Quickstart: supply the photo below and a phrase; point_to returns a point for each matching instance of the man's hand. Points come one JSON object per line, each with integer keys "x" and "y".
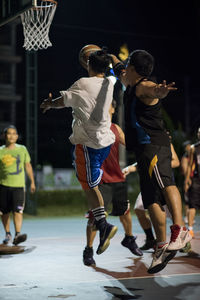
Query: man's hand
{"x": 129, "y": 169}
{"x": 161, "y": 90}
{"x": 47, "y": 103}
{"x": 32, "y": 188}
{"x": 187, "y": 184}
{"x": 126, "y": 171}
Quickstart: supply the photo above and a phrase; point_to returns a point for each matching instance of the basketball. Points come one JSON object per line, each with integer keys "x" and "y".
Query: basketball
{"x": 85, "y": 52}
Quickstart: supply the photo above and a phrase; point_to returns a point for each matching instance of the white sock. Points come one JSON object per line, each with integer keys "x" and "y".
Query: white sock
{"x": 98, "y": 213}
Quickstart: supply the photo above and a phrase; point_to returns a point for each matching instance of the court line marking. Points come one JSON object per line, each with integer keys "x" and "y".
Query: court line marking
{"x": 163, "y": 276}
{"x": 106, "y": 279}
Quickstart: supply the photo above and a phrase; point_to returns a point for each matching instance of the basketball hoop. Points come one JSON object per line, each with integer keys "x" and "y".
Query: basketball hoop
{"x": 36, "y": 23}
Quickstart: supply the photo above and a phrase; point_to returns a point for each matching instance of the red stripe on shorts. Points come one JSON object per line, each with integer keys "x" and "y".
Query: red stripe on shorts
{"x": 81, "y": 166}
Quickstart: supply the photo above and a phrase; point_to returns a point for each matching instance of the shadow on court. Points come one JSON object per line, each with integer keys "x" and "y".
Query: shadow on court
{"x": 49, "y": 266}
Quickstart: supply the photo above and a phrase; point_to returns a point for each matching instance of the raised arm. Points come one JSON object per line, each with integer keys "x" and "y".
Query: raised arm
{"x": 119, "y": 69}
{"x": 52, "y": 103}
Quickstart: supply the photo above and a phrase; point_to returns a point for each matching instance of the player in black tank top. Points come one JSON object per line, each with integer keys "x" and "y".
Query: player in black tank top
{"x": 143, "y": 123}
{"x": 145, "y": 135}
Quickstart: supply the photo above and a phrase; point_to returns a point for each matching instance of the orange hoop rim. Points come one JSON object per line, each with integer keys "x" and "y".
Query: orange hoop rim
{"x": 42, "y": 7}
{"x": 53, "y": 1}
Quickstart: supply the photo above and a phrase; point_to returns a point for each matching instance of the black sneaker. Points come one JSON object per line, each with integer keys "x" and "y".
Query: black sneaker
{"x": 106, "y": 232}
{"x": 20, "y": 238}
{"x": 130, "y": 243}
{"x": 88, "y": 259}
{"x": 149, "y": 244}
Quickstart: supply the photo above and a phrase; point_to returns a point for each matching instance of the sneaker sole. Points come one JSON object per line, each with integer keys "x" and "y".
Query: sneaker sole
{"x": 90, "y": 265}
{"x": 187, "y": 248}
{"x": 161, "y": 266}
{"x": 107, "y": 241}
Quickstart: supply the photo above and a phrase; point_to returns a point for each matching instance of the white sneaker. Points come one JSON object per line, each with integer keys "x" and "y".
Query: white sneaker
{"x": 161, "y": 257}
{"x": 180, "y": 236}
{"x": 8, "y": 239}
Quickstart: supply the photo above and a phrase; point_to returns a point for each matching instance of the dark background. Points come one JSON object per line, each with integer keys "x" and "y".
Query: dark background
{"x": 168, "y": 30}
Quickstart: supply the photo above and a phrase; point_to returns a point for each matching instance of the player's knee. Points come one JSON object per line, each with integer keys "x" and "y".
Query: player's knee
{"x": 19, "y": 209}
{"x": 121, "y": 210}
{"x": 4, "y": 212}
{"x": 139, "y": 212}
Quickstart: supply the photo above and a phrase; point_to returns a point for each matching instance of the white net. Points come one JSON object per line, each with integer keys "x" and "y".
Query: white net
{"x": 36, "y": 23}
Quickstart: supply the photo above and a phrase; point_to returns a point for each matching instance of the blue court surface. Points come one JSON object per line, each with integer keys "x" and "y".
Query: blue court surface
{"x": 51, "y": 267}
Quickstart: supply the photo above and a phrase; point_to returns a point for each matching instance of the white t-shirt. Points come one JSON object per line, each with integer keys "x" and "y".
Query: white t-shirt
{"x": 90, "y": 99}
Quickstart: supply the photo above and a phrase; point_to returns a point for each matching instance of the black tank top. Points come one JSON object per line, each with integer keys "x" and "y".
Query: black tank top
{"x": 143, "y": 123}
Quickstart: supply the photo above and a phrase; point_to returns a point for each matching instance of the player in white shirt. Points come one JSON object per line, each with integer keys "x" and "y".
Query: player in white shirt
{"x": 90, "y": 99}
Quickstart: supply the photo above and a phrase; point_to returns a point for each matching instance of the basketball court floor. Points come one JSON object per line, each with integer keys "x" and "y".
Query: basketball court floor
{"x": 50, "y": 267}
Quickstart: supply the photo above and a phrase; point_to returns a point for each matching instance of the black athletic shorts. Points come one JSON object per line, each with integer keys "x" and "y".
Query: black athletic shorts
{"x": 155, "y": 172}
{"x": 194, "y": 194}
{"x": 11, "y": 199}
{"x": 117, "y": 195}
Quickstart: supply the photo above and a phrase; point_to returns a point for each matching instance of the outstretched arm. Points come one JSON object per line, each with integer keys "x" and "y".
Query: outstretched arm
{"x": 161, "y": 90}
{"x": 52, "y": 103}
{"x": 119, "y": 69}
{"x": 150, "y": 92}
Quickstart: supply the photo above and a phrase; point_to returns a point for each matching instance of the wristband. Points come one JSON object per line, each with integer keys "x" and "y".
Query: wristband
{"x": 118, "y": 69}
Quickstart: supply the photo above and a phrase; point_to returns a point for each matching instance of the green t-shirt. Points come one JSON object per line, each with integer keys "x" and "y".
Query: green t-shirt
{"x": 12, "y": 164}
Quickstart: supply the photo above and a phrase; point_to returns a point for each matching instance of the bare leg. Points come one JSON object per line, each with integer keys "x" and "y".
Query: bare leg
{"x": 18, "y": 218}
{"x": 187, "y": 211}
{"x": 158, "y": 218}
{"x": 143, "y": 219}
{"x": 174, "y": 203}
{"x": 192, "y": 213}
{"x": 94, "y": 197}
{"x": 90, "y": 234}
{"x": 126, "y": 221}
{"x": 6, "y": 222}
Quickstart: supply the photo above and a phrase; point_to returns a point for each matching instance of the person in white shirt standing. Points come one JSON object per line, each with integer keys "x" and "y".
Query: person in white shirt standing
{"x": 90, "y": 98}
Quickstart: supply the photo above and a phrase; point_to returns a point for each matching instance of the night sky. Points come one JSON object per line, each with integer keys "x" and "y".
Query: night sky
{"x": 168, "y": 30}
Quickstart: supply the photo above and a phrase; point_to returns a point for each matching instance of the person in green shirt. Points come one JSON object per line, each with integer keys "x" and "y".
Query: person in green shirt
{"x": 14, "y": 162}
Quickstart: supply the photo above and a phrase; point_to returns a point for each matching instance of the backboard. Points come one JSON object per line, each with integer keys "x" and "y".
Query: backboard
{"x": 11, "y": 9}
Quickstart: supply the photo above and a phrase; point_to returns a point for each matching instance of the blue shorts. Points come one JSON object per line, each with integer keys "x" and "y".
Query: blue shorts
{"x": 87, "y": 162}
